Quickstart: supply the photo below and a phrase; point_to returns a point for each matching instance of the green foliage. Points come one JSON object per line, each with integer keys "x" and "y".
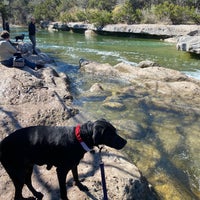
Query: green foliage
{"x": 99, "y": 18}
{"x": 47, "y": 10}
{"x": 103, "y": 11}
{"x": 102, "y": 4}
{"x": 95, "y": 16}
{"x": 126, "y": 14}
{"x": 4, "y": 10}
{"x": 195, "y": 17}
{"x": 75, "y": 14}
{"x": 177, "y": 14}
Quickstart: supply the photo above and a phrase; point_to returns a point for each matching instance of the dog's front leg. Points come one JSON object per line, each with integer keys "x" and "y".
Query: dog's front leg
{"x": 76, "y": 180}
{"x": 62, "y": 174}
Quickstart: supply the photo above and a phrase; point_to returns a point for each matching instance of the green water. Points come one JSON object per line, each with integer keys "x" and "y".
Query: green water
{"x": 168, "y": 151}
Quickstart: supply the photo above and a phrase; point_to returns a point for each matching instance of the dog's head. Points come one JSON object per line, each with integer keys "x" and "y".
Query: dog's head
{"x": 105, "y": 133}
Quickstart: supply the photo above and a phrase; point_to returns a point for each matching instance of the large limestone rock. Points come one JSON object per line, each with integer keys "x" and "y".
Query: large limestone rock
{"x": 151, "y": 29}
{"x": 189, "y": 43}
{"x": 30, "y": 97}
{"x": 160, "y": 30}
{"x": 42, "y": 97}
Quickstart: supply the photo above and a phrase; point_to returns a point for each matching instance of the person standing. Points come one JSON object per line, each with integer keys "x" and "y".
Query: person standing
{"x": 32, "y": 33}
{"x": 7, "y": 27}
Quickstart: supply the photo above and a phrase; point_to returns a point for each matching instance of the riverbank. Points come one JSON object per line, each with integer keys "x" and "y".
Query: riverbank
{"x": 142, "y": 30}
{"x": 43, "y": 97}
{"x": 165, "y": 142}
{"x": 186, "y": 37}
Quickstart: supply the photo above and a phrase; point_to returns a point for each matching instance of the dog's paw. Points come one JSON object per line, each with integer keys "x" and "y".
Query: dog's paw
{"x": 27, "y": 198}
{"x": 49, "y": 167}
{"x": 63, "y": 198}
{"x": 39, "y": 196}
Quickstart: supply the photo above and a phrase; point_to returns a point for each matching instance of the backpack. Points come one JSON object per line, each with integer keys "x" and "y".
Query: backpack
{"x": 18, "y": 60}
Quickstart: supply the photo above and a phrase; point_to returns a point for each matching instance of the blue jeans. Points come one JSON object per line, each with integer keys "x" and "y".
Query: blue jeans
{"x": 9, "y": 63}
{"x": 33, "y": 41}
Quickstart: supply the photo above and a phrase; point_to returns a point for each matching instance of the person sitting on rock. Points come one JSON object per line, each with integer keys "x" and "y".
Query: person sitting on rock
{"x": 7, "y": 50}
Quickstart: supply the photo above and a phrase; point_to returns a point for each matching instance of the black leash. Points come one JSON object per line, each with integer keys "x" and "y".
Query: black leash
{"x": 103, "y": 179}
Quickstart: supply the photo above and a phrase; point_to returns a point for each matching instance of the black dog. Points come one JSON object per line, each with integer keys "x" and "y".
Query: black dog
{"x": 62, "y": 147}
{"x": 19, "y": 37}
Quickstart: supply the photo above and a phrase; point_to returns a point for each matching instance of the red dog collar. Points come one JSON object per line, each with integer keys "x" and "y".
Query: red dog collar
{"x": 78, "y": 137}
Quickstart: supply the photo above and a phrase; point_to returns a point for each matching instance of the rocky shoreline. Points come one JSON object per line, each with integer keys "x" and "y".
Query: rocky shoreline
{"x": 159, "y": 30}
{"x": 42, "y": 97}
{"x": 186, "y": 37}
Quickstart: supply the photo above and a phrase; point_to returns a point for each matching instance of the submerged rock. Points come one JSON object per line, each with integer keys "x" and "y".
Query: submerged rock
{"x": 114, "y": 106}
{"x": 154, "y": 85}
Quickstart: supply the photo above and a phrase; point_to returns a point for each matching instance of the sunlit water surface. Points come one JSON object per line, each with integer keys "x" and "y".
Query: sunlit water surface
{"x": 168, "y": 151}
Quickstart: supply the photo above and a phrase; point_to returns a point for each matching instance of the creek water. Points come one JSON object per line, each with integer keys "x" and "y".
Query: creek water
{"x": 168, "y": 151}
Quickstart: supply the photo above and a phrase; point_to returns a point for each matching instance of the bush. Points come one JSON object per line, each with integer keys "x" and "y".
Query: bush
{"x": 126, "y": 14}
{"x": 74, "y": 15}
{"x": 196, "y": 18}
{"x": 177, "y": 14}
{"x": 118, "y": 15}
{"x": 99, "y": 17}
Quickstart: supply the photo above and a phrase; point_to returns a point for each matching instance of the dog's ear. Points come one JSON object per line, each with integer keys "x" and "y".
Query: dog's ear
{"x": 97, "y": 134}
{"x": 99, "y": 127}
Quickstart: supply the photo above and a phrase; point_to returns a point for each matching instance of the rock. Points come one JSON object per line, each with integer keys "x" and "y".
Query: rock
{"x": 189, "y": 43}
{"x": 34, "y": 97}
{"x": 123, "y": 180}
{"x": 114, "y": 106}
{"x": 42, "y": 98}
{"x": 57, "y": 26}
{"x": 26, "y": 50}
{"x": 120, "y": 184}
{"x": 44, "y": 24}
{"x": 95, "y": 93}
{"x": 151, "y": 29}
{"x": 96, "y": 88}
{"x": 194, "y": 33}
{"x": 131, "y": 73}
{"x": 160, "y": 30}
{"x": 147, "y": 63}
{"x": 90, "y": 33}
{"x": 156, "y": 86}
{"x": 171, "y": 40}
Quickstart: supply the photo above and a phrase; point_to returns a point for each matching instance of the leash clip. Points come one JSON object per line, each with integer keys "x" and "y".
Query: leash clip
{"x": 100, "y": 149}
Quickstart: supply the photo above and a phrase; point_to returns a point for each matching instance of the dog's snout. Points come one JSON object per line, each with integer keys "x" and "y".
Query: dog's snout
{"x": 121, "y": 143}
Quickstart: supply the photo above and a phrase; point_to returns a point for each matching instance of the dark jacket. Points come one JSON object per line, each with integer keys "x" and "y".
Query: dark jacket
{"x": 31, "y": 29}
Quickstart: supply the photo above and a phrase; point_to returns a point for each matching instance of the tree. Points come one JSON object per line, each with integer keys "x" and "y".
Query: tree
{"x": 4, "y": 10}
{"x": 102, "y": 4}
{"x": 47, "y": 9}
{"x": 20, "y": 10}
{"x": 176, "y": 13}
{"x": 126, "y": 13}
